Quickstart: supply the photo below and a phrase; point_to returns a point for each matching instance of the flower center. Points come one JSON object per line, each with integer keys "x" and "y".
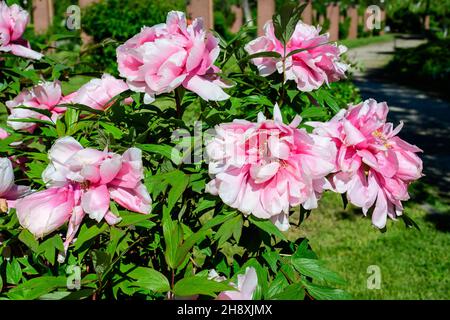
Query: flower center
{"x": 382, "y": 138}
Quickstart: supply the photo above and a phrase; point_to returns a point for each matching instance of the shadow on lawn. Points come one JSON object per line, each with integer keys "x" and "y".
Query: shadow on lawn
{"x": 436, "y": 206}
{"x": 441, "y": 221}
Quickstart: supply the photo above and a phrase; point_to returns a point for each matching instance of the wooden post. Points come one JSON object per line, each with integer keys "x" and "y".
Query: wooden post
{"x": 333, "y": 16}
{"x": 321, "y": 20}
{"x": 383, "y": 19}
{"x": 204, "y": 9}
{"x": 352, "y": 12}
{"x": 42, "y": 15}
{"x": 85, "y": 3}
{"x": 366, "y": 18}
{"x": 266, "y": 9}
{"x": 238, "y": 15}
{"x": 427, "y": 22}
{"x": 307, "y": 12}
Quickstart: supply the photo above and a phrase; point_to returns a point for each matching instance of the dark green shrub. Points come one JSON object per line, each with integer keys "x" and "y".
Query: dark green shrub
{"x": 120, "y": 20}
{"x": 425, "y": 65}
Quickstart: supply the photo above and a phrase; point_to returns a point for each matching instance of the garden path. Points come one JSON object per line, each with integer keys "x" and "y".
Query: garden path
{"x": 426, "y": 118}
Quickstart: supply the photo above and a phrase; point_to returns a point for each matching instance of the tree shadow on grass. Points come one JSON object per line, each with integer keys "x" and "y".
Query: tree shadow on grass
{"x": 441, "y": 221}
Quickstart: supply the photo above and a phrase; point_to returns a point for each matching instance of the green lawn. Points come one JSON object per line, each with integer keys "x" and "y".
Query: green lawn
{"x": 414, "y": 264}
{"x": 360, "y": 42}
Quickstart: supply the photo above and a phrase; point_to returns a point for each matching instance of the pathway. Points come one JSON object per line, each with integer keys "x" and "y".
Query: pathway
{"x": 426, "y": 118}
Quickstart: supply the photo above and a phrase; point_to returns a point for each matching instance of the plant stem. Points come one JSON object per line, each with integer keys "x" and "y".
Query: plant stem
{"x": 178, "y": 98}
{"x": 284, "y": 77}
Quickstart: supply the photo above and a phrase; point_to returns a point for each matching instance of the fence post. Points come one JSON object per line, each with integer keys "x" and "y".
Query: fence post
{"x": 352, "y": 12}
{"x": 266, "y": 9}
{"x": 366, "y": 17}
{"x": 333, "y": 16}
{"x": 427, "y": 22}
{"x": 383, "y": 19}
{"x": 238, "y": 15}
{"x": 42, "y": 15}
{"x": 204, "y": 9}
{"x": 321, "y": 20}
{"x": 307, "y": 12}
{"x": 85, "y": 3}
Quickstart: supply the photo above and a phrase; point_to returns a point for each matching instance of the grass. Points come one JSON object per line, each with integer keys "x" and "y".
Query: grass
{"x": 360, "y": 42}
{"x": 414, "y": 264}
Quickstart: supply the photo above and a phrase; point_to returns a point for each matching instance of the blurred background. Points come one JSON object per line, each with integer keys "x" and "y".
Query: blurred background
{"x": 399, "y": 51}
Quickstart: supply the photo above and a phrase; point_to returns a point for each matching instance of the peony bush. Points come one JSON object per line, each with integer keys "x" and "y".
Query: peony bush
{"x": 181, "y": 178}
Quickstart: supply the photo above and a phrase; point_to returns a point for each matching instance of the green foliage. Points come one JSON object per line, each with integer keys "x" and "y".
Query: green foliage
{"x": 169, "y": 252}
{"x": 119, "y": 20}
{"x": 426, "y": 65}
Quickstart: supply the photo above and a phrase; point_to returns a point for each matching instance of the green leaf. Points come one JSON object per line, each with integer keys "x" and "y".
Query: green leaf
{"x": 227, "y": 229}
{"x": 197, "y": 285}
{"x": 199, "y": 235}
{"x": 314, "y": 268}
{"x": 27, "y": 120}
{"x": 179, "y": 184}
{"x": 49, "y": 247}
{"x": 44, "y": 112}
{"x": 325, "y": 293}
{"x": 330, "y": 101}
{"x": 131, "y": 218}
{"x": 34, "y": 288}
{"x": 60, "y": 128}
{"x": 272, "y": 258}
{"x": 27, "y": 267}
{"x": 263, "y": 54}
{"x": 267, "y": 226}
{"x": 13, "y": 272}
{"x": 81, "y": 107}
{"x": 286, "y": 21}
{"x": 344, "y": 201}
{"x": 173, "y": 236}
{"x": 101, "y": 261}
{"x": 294, "y": 291}
{"x": 115, "y": 132}
{"x": 314, "y": 112}
{"x": 277, "y": 285}
{"x": 165, "y": 150}
{"x": 409, "y": 222}
{"x": 303, "y": 251}
{"x": 87, "y": 234}
{"x": 149, "y": 279}
{"x": 27, "y": 238}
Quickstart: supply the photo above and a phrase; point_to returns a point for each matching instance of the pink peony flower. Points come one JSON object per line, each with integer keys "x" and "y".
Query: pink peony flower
{"x": 245, "y": 287}
{"x": 9, "y": 191}
{"x": 45, "y": 211}
{"x": 3, "y": 134}
{"x": 267, "y": 167}
{"x": 318, "y": 64}
{"x": 98, "y": 93}
{"x": 161, "y": 58}
{"x": 13, "y": 21}
{"x": 45, "y": 96}
{"x": 375, "y": 166}
{"x": 83, "y": 181}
